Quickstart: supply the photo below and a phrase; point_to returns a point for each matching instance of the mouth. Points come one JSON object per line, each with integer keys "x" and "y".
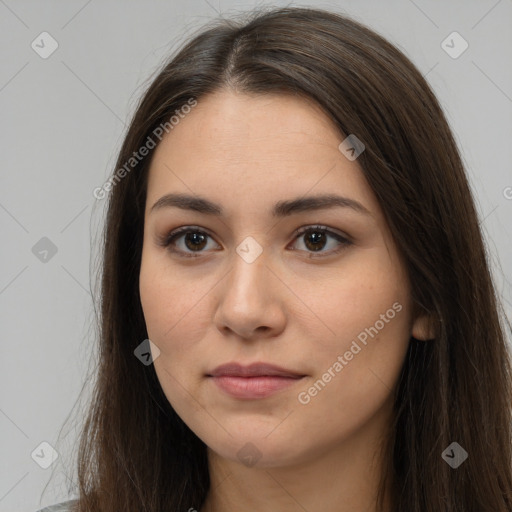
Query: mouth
{"x": 258, "y": 380}
{"x": 253, "y": 370}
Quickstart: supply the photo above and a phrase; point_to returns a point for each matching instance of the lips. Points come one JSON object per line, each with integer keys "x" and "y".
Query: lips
{"x": 253, "y": 382}
{"x": 254, "y": 370}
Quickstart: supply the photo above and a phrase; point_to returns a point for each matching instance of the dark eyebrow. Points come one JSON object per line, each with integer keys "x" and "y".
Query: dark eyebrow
{"x": 280, "y": 209}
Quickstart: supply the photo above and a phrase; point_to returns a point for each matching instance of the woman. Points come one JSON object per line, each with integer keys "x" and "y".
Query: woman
{"x": 291, "y": 226}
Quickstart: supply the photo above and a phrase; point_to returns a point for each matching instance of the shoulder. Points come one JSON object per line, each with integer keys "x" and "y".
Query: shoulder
{"x": 65, "y": 506}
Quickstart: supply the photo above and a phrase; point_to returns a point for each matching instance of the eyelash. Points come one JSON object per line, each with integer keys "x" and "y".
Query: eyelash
{"x": 168, "y": 240}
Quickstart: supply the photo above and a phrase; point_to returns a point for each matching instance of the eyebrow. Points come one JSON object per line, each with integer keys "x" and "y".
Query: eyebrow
{"x": 280, "y": 209}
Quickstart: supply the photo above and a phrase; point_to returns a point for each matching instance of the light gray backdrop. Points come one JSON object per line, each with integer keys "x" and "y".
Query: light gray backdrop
{"x": 63, "y": 116}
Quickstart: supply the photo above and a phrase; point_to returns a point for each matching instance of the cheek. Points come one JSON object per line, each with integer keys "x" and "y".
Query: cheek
{"x": 172, "y": 308}
{"x": 357, "y": 367}
{"x": 355, "y": 296}
{"x": 162, "y": 299}
{"x": 176, "y": 312}
{"x": 359, "y": 360}
{"x": 377, "y": 323}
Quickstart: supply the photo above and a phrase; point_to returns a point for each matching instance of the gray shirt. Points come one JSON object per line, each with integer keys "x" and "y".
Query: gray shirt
{"x": 64, "y": 506}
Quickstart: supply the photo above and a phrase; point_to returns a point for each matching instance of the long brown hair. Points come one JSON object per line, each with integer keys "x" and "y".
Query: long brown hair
{"x": 136, "y": 454}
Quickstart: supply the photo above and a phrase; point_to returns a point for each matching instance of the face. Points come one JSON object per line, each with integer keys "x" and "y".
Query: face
{"x": 317, "y": 290}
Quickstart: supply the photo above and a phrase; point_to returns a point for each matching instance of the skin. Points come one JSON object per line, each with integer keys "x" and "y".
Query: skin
{"x": 291, "y": 306}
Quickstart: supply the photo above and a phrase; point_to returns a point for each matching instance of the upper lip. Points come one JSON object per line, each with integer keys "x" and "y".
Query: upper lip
{"x": 253, "y": 370}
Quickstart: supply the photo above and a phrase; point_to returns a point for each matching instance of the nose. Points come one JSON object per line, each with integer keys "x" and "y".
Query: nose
{"x": 250, "y": 305}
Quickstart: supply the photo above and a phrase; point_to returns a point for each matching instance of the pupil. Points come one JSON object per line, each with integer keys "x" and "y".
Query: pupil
{"x": 318, "y": 238}
{"x": 194, "y": 238}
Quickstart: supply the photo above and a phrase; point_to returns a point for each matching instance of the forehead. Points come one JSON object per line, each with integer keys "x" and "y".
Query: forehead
{"x": 250, "y": 150}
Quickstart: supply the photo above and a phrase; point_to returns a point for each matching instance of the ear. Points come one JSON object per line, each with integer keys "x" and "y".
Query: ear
{"x": 423, "y": 328}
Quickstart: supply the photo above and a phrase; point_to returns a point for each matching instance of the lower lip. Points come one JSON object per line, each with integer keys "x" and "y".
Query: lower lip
{"x": 253, "y": 387}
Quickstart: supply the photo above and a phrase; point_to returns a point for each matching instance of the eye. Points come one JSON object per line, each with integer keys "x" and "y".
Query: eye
{"x": 317, "y": 237}
{"x": 194, "y": 240}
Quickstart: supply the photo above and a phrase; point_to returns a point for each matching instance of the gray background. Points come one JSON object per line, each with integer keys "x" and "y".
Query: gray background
{"x": 63, "y": 119}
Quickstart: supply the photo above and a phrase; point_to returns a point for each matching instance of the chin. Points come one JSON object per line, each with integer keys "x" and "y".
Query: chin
{"x": 258, "y": 451}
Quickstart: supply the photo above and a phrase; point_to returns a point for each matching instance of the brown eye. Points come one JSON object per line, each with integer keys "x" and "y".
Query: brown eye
{"x": 316, "y": 238}
{"x": 194, "y": 241}
{"x": 189, "y": 241}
